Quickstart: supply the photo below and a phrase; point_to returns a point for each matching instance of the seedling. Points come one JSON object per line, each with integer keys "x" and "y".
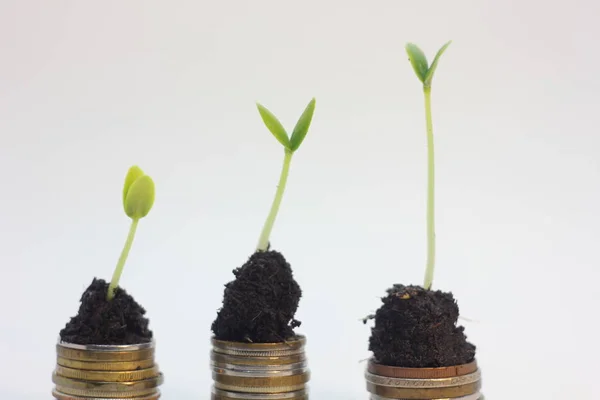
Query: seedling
{"x": 259, "y": 305}
{"x": 425, "y": 73}
{"x": 138, "y": 199}
{"x": 415, "y": 327}
{"x": 290, "y": 145}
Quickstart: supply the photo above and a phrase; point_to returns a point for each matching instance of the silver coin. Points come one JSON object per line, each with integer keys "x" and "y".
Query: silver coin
{"x": 294, "y": 346}
{"x": 103, "y": 347}
{"x": 259, "y": 374}
{"x": 258, "y": 368}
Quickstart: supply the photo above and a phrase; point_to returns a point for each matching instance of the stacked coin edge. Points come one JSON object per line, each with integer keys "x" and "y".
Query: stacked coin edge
{"x": 461, "y": 382}
{"x": 259, "y": 371}
{"x": 90, "y": 372}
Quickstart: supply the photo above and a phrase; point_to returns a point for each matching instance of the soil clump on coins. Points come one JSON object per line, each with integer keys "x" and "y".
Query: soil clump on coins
{"x": 416, "y": 328}
{"x": 120, "y": 321}
{"x": 260, "y": 303}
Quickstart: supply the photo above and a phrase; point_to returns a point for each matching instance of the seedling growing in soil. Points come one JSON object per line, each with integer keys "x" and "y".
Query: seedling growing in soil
{"x": 260, "y": 304}
{"x": 107, "y": 314}
{"x": 425, "y": 74}
{"x": 416, "y": 327}
{"x": 138, "y": 199}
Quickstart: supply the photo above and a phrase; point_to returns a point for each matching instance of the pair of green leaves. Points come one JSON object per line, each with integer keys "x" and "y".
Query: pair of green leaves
{"x": 293, "y": 142}
{"x": 419, "y": 63}
{"x": 138, "y": 193}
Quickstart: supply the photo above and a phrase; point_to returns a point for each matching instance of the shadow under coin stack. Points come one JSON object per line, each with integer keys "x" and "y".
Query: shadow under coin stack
{"x": 259, "y": 371}
{"x": 89, "y": 372}
{"x": 460, "y": 382}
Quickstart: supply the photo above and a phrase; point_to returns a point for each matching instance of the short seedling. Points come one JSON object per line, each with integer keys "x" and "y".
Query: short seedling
{"x": 290, "y": 145}
{"x": 107, "y": 314}
{"x": 138, "y": 199}
{"x": 260, "y": 304}
{"x": 416, "y": 327}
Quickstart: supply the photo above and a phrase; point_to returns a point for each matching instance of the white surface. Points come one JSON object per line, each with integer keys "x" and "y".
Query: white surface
{"x": 87, "y": 89}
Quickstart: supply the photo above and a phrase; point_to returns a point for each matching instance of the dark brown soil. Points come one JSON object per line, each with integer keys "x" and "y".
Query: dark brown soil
{"x": 260, "y": 304}
{"x": 119, "y": 321}
{"x": 416, "y": 328}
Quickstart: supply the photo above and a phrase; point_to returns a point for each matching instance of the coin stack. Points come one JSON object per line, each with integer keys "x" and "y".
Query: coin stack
{"x": 259, "y": 371}
{"x": 91, "y": 372}
{"x": 460, "y": 382}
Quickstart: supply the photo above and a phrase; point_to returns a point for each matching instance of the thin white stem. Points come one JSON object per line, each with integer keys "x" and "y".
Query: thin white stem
{"x": 430, "y": 193}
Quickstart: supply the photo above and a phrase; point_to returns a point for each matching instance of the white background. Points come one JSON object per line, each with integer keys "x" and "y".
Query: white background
{"x": 89, "y": 88}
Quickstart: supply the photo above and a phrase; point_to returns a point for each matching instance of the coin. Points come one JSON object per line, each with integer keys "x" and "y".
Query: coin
{"x": 420, "y": 373}
{"x": 63, "y": 396}
{"x": 218, "y": 394}
{"x": 105, "y": 365}
{"x": 108, "y": 386}
{"x": 290, "y": 345}
{"x": 113, "y": 356}
{"x": 420, "y": 393}
{"x": 475, "y": 396}
{"x": 108, "y": 376}
{"x": 105, "y": 394}
{"x": 254, "y": 353}
{"x": 253, "y": 381}
{"x": 259, "y": 389}
{"x": 232, "y": 369}
{"x": 252, "y": 360}
{"x": 108, "y": 347}
{"x": 423, "y": 383}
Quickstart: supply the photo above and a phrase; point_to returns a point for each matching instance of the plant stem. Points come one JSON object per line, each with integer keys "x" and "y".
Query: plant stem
{"x": 114, "y": 283}
{"x": 263, "y": 241}
{"x": 430, "y": 193}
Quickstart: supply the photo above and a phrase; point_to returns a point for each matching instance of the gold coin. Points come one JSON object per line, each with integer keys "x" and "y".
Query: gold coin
{"x": 260, "y": 389}
{"x": 420, "y": 393}
{"x": 112, "y": 356}
{"x": 261, "y": 381}
{"x": 105, "y": 365}
{"x": 240, "y": 360}
{"x": 224, "y": 395}
{"x": 422, "y": 383}
{"x": 63, "y": 396}
{"x": 71, "y": 383}
{"x": 108, "y": 376}
{"x": 421, "y": 373}
{"x": 100, "y": 394}
{"x": 475, "y": 396}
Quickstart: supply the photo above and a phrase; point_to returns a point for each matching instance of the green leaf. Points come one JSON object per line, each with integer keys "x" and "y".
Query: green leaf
{"x": 418, "y": 60}
{"x": 301, "y": 128}
{"x": 431, "y": 71}
{"x": 140, "y": 197}
{"x": 133, "y": 174}
{"x": 273, "y": 124}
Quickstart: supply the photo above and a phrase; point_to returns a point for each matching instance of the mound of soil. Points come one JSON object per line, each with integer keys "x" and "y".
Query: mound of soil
{"x": 116, "y": 322}
{"x": 260, "y": 303}
{"x": 416, "y": 328}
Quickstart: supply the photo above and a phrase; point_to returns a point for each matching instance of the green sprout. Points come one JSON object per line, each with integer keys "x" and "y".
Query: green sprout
{"x": 290, "y": 145}
{"x": 425, "y": 73}
{"x": 138, "y": 199}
